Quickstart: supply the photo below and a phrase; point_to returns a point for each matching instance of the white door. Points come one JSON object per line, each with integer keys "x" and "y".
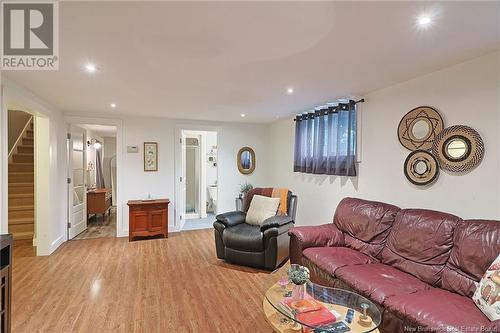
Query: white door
{"x": 77, "y": 189}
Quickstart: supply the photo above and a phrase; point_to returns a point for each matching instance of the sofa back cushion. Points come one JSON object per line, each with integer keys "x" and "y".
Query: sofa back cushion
{"x": 476, "y": 244}
{"x": 264, "y": 191}
{"x": 366, "y": 224}
{"x": 420, "y": 243}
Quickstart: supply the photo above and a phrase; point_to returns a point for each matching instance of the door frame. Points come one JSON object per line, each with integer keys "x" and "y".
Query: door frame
{"x": 121, "y": 207}
{"x": 199, "y": 176}
{"x": 179, "y": 207}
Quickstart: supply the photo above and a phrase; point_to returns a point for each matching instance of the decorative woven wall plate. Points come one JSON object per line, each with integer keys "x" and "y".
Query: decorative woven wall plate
{"x": 458, "y": 148}
{"x": 419, "y": 127}
{"x": 421, "y": 168}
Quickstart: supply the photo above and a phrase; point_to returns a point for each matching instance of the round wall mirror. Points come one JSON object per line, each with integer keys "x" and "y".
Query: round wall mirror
{"x": 421, "y": 168}
{"x": 246, "y": 160}
{"x": 420, "y": 129}
{"x": 456, "y": 149}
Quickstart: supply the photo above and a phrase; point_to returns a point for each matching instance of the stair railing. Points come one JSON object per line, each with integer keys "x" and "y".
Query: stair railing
{"x": 19, "y": 139}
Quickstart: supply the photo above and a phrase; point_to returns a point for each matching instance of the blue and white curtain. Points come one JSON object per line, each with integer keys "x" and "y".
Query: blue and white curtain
{"x": 325, "y": 141}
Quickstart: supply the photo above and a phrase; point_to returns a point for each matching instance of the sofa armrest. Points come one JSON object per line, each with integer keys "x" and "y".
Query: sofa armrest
{"x": 231, "y": 218}
{"x": 275, "y": 221}
{"x": 302, "y": 238}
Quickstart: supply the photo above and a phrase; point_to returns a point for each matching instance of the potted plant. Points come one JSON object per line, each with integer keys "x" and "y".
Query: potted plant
{"x": 244, "y": 188}
{"x": 298, "y": 275}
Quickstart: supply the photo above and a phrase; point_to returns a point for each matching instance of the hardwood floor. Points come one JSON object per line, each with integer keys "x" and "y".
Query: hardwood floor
{"x": 160, "y": 285}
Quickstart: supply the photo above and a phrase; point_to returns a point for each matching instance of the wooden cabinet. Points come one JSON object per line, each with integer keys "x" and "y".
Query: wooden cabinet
{"x": 5, "y": 281}
{"x": 148, "y": 218}
{"x": 98, "y": 201}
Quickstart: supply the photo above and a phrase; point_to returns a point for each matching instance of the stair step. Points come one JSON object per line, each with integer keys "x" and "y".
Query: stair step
{"x": 21, "y": 220}
{"x": 18, "y": 228}
{"x": 22, "y": 158}
{"x": 29, "y": 133}
{"x": 20, "y": 188}
{"x": 21, "y": 199}
{"x": 22, "y": 235}
{"x": 21, "y": 177}
{"x": 27, "y": 141}
{"x": 25, "y": 150}
{"x": 21, "y": 167}
{"x": 21, "y": 211}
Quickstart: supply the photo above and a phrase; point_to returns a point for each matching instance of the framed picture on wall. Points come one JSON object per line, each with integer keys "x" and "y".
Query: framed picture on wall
{"x": 150, "y": 156}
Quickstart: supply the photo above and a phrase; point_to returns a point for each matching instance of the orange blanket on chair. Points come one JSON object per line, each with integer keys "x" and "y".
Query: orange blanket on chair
{"x": 281, "y": 193}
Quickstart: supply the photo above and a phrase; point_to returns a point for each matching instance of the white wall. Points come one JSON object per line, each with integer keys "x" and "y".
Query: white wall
{"x": 211, "y": 141}
{"x": 138, "y": 184}
{"x": 467, "y": 94}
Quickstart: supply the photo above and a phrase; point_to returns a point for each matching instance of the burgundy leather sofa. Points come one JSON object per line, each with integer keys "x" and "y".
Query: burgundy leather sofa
{"x": 419, "y": 266}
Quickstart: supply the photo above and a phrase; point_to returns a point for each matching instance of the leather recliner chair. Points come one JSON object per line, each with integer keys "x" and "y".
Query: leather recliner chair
{"x": 265, "y": 246}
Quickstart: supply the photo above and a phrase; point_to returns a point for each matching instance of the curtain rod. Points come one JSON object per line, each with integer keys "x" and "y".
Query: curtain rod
{"x": 362, "y": 100}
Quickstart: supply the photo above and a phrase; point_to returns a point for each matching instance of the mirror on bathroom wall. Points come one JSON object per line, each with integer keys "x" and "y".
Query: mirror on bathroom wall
{"x": 246, "y": 160}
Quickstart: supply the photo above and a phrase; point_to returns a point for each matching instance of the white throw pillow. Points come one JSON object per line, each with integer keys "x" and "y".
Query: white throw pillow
{"x": 487, "y": 295}
{"x": 261, "y": 208}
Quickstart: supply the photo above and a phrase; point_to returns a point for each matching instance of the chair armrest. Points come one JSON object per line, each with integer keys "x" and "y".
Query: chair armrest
{"x": 301, "y": 238}
{"x": 275, "y": 221}
{"x": 231, "y": 218}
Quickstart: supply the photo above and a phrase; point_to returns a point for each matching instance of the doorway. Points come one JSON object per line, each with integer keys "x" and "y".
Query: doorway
{"x": 92, "y": 189}
{"x": 21, "y": 175}
{"x": 199, "y": 169}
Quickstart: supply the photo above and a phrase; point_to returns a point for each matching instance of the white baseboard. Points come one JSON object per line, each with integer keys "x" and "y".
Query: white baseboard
{"x": 55, "y": 244}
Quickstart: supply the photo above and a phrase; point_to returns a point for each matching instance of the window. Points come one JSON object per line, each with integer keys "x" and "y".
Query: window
{"x": 325, "y": 141}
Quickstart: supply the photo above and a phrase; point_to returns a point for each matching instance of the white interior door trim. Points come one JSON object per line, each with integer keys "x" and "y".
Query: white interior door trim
{"x": 178, "y": 205}
{"x": 121, "y": 203}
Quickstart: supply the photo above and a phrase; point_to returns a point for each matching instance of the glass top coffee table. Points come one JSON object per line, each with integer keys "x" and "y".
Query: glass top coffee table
{"x": 324, "y": 310}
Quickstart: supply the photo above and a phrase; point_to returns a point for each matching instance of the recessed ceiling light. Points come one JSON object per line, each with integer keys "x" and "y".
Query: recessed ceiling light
{"x": 91, "y": 68}
{"x": 243, "y": 115}
{"x": 289, "y": 91}
{"x": 113, "y": 105}
{"x": 424, "y": 20}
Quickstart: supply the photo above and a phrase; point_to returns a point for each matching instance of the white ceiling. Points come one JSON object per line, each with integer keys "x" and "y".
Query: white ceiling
{"x": 202, "y": 60}
{"x": 100, "y": 130}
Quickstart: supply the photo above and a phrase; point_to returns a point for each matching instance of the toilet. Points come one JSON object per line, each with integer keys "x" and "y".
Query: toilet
{"x": 212, "y": 195}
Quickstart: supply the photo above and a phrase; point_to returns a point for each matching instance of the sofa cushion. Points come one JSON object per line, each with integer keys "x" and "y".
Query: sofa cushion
{"x": 331, "y": 258}
{"x": 420, "y": 243}
{"x": 261, "y": 208}
{"x": 438, "y": 309}
{"x": 366, "y": 224}
{"x": 476, "y": 244}
{"x": 379, "y": 281}
{"x": 244, "y": 237}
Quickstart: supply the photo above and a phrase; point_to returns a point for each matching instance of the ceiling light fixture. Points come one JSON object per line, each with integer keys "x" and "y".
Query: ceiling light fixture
{"x": 91, "y": 68}
{"x": 94, "y": 143}
{"x": 289, "y": 91}
{"x": 243, "y": 115}
{"x": 424, "y": 21}
{"x": 113, "y": 105}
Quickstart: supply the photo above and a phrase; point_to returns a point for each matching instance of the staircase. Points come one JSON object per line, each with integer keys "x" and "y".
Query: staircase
{"x": 21, "y": 186}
